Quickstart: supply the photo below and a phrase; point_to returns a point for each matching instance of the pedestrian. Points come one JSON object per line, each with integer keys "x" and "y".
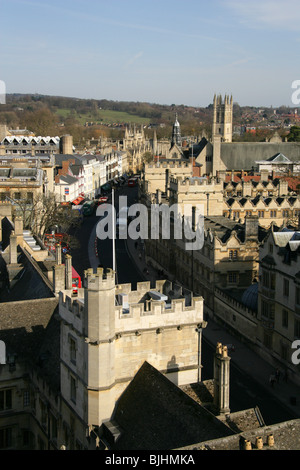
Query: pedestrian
{"x": 277, "y": 375}
{"x": 272, "y": 380}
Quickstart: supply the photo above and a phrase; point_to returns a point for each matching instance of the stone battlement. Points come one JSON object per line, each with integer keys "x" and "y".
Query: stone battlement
{"x": 164, "y": 305}
{"x": 101, "y": 279}
{"x": 166, "y": 164}
{"x": 155, "y": 314}
{"x": 179, "y": 181}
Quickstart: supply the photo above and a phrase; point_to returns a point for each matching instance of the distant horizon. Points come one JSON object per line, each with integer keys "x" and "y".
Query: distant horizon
{"x": 292, "y": 106}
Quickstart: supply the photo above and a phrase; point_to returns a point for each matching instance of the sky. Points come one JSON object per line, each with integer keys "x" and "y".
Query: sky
{"x": 159, "y": 51}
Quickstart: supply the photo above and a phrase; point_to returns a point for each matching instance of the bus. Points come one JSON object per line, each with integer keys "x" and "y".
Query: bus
{"x": 88, "y": 208}
{"x": 76, "y": 282}
{"x": 76, "y": 279}
{"x": 132, "y": 182}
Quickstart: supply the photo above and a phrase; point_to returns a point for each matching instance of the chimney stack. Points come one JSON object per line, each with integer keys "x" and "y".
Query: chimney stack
{"x": 68, "y": 261}
{"x": 221, "y": 379}
{"x": 58, "y": 278}
{"x": 13, "y": 248}
{"x": 58, "y": 254}
{"x": 251, "y": 227}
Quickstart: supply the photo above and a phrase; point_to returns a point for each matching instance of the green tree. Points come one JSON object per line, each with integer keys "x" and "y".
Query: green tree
{"x": 294, "y": 135}
{"x": 147, "y": 157}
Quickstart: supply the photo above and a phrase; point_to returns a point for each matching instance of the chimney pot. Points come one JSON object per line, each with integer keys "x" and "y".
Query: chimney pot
{"x": 247, "y": 445}
{"x": 259, "y": 443}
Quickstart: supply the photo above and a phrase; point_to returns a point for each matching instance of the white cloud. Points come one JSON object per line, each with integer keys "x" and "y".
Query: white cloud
{"x": 271, "y": 14}
{"x": 133, "y": 59}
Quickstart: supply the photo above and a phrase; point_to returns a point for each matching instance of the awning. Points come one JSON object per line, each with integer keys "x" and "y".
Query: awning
{"x": 78, "y": 200}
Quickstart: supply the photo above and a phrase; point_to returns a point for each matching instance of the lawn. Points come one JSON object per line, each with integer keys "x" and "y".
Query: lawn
{"x": 103, "y": 116}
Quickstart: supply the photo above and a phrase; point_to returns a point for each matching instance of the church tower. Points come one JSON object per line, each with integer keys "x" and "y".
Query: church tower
{"x": 222, "y": 118}
{"x": 176, "y": 133}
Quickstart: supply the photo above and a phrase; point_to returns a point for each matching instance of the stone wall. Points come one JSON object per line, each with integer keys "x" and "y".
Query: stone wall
{"x": 236, "y": 316}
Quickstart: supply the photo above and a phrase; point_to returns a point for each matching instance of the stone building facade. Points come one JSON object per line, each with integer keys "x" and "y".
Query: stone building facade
{"x": 279, "y": 299}
{"x": 269, "y": 198}
{"x": 228, "y": 258}
{"x": 156, "y": 176}
{"x": 197, "y": 191}
{"x": 104, "y": 344}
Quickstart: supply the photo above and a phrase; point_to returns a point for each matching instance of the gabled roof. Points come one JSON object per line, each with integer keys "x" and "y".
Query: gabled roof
{"x": 154, "y": 414}
{"x": 30, "y": 139}
{"x": 283, "y": 238}
{"x": 268, "y": 259}
{"x": 197, "y": 148}
{"x": 279, "y": 158}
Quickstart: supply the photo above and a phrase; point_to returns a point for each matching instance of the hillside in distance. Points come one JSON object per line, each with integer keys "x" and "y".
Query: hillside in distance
{"x": 91, "y": 118}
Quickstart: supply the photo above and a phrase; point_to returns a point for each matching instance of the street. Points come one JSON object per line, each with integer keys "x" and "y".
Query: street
{"x": 103, "y": 249}
{"x": 245, "y": 392}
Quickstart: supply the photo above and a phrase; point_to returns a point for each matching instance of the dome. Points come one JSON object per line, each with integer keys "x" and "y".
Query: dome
{"x": 250, "y": 297}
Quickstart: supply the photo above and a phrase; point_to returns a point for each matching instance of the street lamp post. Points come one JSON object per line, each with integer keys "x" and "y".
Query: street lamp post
{"x": 199, "y": 331}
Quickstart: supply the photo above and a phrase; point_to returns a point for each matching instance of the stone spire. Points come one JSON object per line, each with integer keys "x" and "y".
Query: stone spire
{"x": 176, "y": 133}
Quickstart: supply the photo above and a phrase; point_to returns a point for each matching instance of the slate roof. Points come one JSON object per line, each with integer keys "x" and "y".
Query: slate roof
{"x": 223, "y": 227}
{"x": 244, "y": 155}
{"x": 68, "y": 179}
{"x": 197, "y": 148}
{"x": 148, "y": 406}
{"x": 30, "y": 286}
{"x": 268, "y": 259}
{"x": 23, "y": 325}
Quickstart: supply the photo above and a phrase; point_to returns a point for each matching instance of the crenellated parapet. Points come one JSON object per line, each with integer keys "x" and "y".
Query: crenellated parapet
{"x": 154, "y": 314}
{"x": 184, "y": 183}
{"x": 166, "y": 305}
{"x": 99, "y": 280}
{"x": 167, "y": 164}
